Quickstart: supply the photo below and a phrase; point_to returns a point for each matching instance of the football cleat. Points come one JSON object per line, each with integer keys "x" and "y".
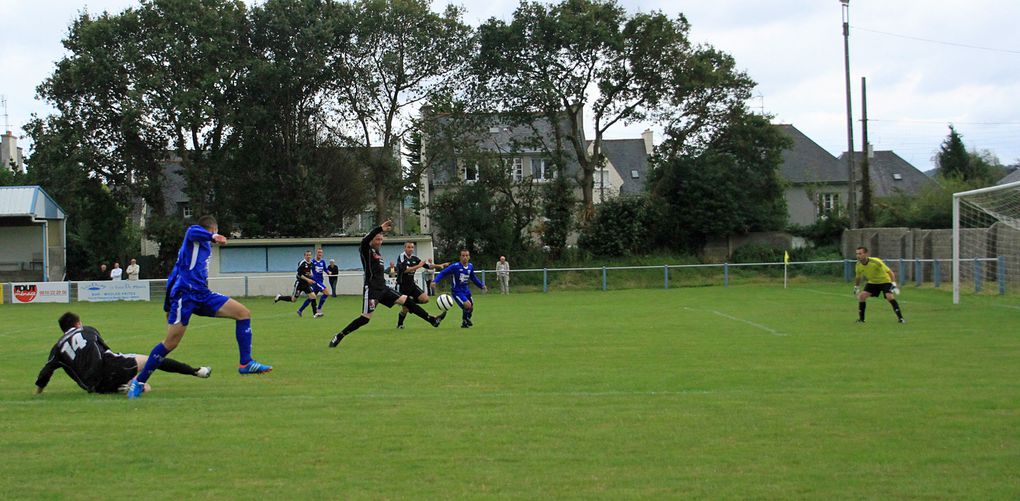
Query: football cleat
{"x": 277, "y": 300}
{"x": 469, "y": 322}
{"x": 317, "y": 315}
{"x": 135, "y": 389}
{"x": 254, "y": 367}
{"x": 203, "y": 372}
{"x": 464, "y": 325}
{"x": 336, "y": 339}
{"x": 860, "y": 320}
{"x": 902, "y": 320}
{"x": 435, "y": 321}
{"x": 401, "y": 326}
{"x": 299, "y": 313}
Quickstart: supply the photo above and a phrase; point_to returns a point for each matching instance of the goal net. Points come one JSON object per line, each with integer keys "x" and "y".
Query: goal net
{"x": 986, "y": 240}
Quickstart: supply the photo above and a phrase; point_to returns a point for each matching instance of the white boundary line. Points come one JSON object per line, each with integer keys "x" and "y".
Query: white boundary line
{"x": 748, "y": 322}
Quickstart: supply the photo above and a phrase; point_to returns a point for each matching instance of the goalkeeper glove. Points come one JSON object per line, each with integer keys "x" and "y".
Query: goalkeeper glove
{"x": 895, "y": 289}
{"x": 857, "y": 290}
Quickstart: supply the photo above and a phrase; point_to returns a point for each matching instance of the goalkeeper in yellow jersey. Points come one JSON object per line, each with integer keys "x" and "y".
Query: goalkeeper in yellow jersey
{"x": 881, "y": 280}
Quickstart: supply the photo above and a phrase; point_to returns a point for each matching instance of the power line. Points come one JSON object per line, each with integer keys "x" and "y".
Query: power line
{"x": 954, "y": 44}
{"x": 942, "y": 122}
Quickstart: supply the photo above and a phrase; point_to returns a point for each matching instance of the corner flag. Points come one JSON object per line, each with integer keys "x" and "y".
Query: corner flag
{"x": 786, "y": 257}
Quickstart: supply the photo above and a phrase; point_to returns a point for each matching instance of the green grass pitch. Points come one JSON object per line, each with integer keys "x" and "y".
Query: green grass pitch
{"x": 749, "y": 391}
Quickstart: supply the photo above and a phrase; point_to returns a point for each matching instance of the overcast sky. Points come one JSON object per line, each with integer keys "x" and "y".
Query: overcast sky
{"x": 928, "y": 63}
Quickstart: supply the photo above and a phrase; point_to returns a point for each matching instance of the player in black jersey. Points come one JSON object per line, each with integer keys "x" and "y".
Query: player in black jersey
{"x": 375, "y": 290}
{"x": 304, "y": 283}
{"x": 407, "y": 265}
{"x": 86, "y": 358}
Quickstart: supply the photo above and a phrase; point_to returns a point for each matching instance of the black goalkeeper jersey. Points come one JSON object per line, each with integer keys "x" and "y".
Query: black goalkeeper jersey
{"x": 80, "y": 353}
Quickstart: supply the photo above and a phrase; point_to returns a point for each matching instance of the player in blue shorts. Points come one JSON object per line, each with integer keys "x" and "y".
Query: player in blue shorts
{"x": 463, "y": 274}
{"x": 319, "y": 273}
{"x": 191, "y": 295}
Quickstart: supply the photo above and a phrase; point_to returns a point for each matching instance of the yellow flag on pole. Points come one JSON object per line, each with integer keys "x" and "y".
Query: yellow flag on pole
{"x": 786, "y": 257}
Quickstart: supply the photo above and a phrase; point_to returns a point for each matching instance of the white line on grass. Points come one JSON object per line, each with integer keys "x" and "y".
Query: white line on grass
{"x": 748, "y": 322}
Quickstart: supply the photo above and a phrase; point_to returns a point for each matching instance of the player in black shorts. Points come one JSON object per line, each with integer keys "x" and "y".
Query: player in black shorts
{"x": 375, "y": 290}
{"x": 407, "y": 265}
{"x": 303, "y": 283}
{"x": 86, "y": 359}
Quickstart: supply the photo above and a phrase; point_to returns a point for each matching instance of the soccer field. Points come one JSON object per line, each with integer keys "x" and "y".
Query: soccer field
{"x": 746, "y": 391}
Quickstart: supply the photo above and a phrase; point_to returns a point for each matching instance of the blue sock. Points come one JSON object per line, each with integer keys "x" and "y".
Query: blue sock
{"x": 322, "y": 300}
{"x": 242, "y": 330}
{"x": 156, "y": 356}
{"x": 305, "y": 305}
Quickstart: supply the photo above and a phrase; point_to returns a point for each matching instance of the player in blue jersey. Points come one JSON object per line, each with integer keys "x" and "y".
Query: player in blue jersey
{"x": 463, "y": 274}
{"x": 191, "y": 295}
{"x": 319, "y": 274}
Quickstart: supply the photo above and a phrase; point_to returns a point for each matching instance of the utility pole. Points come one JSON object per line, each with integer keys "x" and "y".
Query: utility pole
{"x": 866, "y": 215}
{"x": 851, "y": 203}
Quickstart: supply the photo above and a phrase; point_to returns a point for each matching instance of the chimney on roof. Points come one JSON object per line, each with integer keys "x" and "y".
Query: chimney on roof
{"x": 649, "y": 145}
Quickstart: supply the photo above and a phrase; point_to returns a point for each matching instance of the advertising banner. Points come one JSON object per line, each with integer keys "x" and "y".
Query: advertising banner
{"x": 40, "y": 292}
{"x": 113, "y": 290}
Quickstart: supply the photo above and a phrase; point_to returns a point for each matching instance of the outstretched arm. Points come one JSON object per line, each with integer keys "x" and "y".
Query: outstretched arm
{"x": 47, "y": 372}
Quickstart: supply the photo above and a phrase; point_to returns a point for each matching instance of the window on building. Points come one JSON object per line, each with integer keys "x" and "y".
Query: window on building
{"x": 828, "y": 204}
{"x": 517, "y": 168}
{"x": 186, "y": 211}
{"x": 897, "y": 177}
{"x": 471, "y": 173}
{"x": 634, "y": 174}
{"x": 540, "y": 170}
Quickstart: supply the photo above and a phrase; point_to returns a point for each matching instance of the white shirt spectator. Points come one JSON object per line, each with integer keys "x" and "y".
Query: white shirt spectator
{"x": 132, "y": 270}
{"x": 116, "y": 273}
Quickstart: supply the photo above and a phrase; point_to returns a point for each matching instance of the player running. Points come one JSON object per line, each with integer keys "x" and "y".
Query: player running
{"x": 463, "y": 273}
{"x": 319, "y": 273}
{"x": 89, "y": 361}
{"x": 375, "y": 290}
{"x": 191, "y": 295}
{"x": 304, "y": 283}
{"x": 881, "y": 280}
{"x": 407, "y": 265}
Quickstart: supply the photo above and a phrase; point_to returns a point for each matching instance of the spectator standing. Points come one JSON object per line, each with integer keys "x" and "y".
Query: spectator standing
{"x": 333, "y": 272}
{"x": 503, "y": 274}
{"x": 116, "y": 272}
{"x": 103, "y": 274}
{"x": 132, "y": 270}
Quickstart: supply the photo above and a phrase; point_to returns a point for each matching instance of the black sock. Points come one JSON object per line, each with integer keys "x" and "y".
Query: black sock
{"x": 286, "y": 298}
{"x": 417, "y": 310}
{"x": 171, "y": 365}
{"x": 354, "y": 325}
{"x": 861, "y": 306}
{"x": 896, "y": 308}
{"x": 315, "y": 309}
{"x": 400, "y": 318}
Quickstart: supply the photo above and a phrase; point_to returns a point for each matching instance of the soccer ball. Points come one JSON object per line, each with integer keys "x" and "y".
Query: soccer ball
{"x": 444, "y": 301}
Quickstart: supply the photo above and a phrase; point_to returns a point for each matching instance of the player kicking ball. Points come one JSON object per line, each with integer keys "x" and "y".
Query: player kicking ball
{"x": 89, "y": 361}
{"x": 881, "y": 280}
{"x": 191, "y": 295}
{"x": 376, "y": 291}
{"x": 463, "y": 272}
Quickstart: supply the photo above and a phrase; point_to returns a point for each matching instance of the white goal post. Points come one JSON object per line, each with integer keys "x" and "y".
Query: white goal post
{"x": 986, "y": 237}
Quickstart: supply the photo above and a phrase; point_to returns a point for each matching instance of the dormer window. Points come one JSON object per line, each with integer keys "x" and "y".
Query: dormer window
{"x": 898, "y": 177}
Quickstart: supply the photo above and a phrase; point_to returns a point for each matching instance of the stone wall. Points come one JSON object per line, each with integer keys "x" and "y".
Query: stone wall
{"x": 909, "y": 244}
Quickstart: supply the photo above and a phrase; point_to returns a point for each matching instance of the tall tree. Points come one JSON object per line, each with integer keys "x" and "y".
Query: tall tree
{"x": 557, "y": 60}
{"x": 398, "y": 54}
{"x": 731, "y": 187}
